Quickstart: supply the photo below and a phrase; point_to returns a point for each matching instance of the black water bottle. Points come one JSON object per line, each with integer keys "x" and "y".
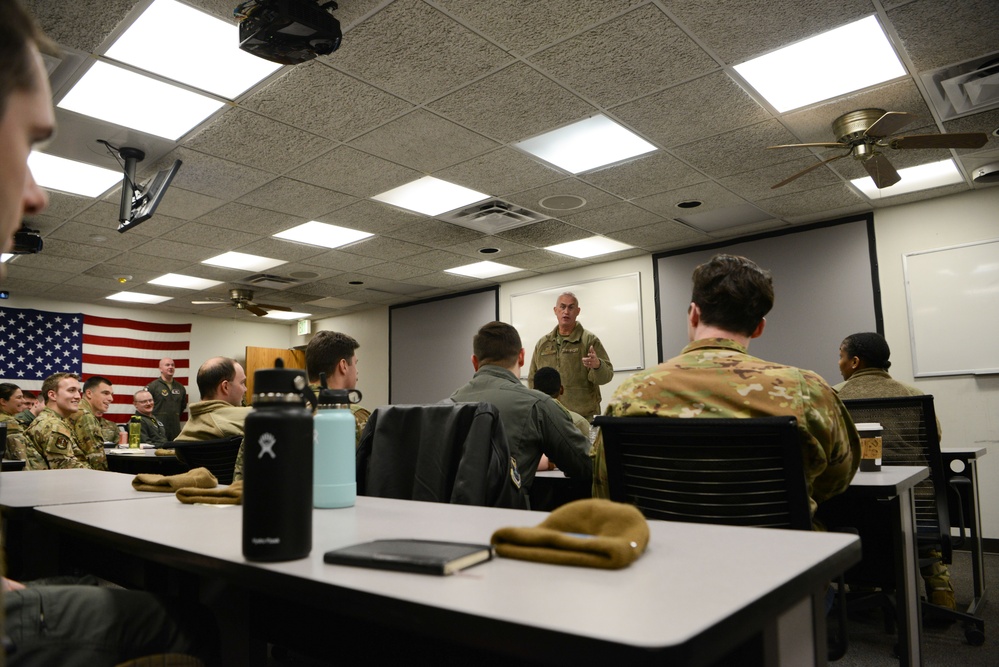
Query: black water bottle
{"x": 277, "y": 468}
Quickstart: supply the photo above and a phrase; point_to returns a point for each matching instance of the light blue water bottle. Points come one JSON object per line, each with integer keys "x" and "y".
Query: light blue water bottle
{"x": 334, "y": 478}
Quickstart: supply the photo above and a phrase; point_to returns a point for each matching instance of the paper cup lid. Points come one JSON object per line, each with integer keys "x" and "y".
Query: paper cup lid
{"x": 868, "y": 426}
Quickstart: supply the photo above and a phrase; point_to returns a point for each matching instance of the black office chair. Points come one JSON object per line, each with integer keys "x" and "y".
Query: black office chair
{"x": 446, "y": 453}
{"x": 735, "y": 472}
{"x": 219, "y": 456}
{"x": 910, "y": 437}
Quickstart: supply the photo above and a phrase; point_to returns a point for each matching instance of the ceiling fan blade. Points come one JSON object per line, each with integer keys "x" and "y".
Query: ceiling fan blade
{"x": 253, "y": 308}
{"x": 205, "y": 303}
{"x": 271, "y": 306}
{"x": 889, "y": 124}
{"x": 805, "y": 171}
{"x": 827, "y": 144}
{"x": 881, "y": 170}
{"x": 956, "y": 140}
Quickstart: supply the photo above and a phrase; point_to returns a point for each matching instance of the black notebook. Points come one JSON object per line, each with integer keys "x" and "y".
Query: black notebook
{"x": 426, "y": 556}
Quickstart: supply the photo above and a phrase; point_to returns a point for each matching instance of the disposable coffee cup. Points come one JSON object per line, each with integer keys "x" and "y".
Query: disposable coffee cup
{"x": 870, "y": 446}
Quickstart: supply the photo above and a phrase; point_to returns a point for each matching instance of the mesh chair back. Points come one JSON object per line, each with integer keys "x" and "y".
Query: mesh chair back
{"x": 910, "y": 438}
{"x": 219, "y": 456}
{"x": 742, "y": 472}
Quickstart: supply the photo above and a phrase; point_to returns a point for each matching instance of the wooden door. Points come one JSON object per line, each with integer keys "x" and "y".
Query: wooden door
{"x": 263, "y": 357}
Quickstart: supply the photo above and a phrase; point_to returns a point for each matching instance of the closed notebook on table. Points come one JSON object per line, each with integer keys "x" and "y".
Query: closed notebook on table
{"x": 424, "y": 556}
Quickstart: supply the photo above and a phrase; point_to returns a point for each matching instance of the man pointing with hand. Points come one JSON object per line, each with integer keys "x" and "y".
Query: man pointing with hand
{"x": 577, "y": 355}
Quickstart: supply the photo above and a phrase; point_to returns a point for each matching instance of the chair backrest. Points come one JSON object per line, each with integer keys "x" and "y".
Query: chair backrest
{"x": 742, "y": 472}
{"x": 446, "y": 452}
{"x": 219, "y": 456}
{"x": 910, "y": 438}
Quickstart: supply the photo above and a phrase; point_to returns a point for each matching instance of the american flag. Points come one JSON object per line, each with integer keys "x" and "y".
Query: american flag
{"x": 34, "y": 344}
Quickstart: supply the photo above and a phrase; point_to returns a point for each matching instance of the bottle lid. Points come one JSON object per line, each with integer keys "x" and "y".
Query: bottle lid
{"x": 335, "y": 397}
{"x": 279, "y": 385}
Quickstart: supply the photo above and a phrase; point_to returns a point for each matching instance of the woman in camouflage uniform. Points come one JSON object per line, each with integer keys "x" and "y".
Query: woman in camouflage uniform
{"x": 10, "y": 404}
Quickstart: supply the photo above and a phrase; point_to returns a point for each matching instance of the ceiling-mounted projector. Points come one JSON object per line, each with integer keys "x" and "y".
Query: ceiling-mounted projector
{"x": 288, "y": 31}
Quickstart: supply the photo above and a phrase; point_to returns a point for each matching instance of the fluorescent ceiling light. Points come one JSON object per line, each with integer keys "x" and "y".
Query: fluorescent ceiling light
{"x": 286, "y": 315}
{"x": 185, "y": 282}
{"x": 77, "y": 178}
{"x": 119, "y": 96}
{"x": 243, "y": 261}
{"x": 138, "y": 297}
{"x": 923, "y": 177}
{"x": 208, "y": 57}
{"x": 5, "y": 257}
{"x": 430, "y": 196}
{"x": 586, "y": 145}
{"x": 322, "y": 234}
{"x": 482, "y": 270}
{"x": 591, "y": 247}
{"x": 828, "y": 65}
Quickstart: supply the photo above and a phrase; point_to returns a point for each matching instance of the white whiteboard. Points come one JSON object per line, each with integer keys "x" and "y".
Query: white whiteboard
{"x": 610, "y": 308}
{"x": 953, "y": 299}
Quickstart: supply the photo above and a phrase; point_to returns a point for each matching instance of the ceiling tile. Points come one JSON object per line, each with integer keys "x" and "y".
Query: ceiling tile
{"x": 434, "y": 233}
{"x": 296, "y": 198}
{"x": 733, "y": 152}
{"x": 439, "y": 260}
{"x": 289, "y": 251}
{"x": 659, "y": 236}
{"x": 384, "y": 248}
{"x": 835, "y": 198}
{"x": 250, "y": 220}
{"x": 186, "y": 205}
{"x": 645, "y": 175}
{"x": 372, "y": 216}
{"x": 612, "y": 218}
{"x": 543, "y": 259}
{"x": 348, "y": 170}
{"x": 711, "y": 195}
{"x": 84, "y": 235}
{"x": 94, "y": 253}
{"x": 340, "y": 261}
{"x": 430, "y": 53}
{"x": 626, "y": 57}
{"x": 423, "y": 141}
{"x": 76, "y": 24}
{"x": 758, "y": 183}
{"x": 214, "y": 176}
{"x": 395, "y": 271}
{"x": 595, "y": 198}
{"x": 545, "y": 233}
{"x": 500, "y": 172}
{"x": 174, "y": 250}
{"x": 942, "y": 32}
{"x": 211, "y": 236}
{"x": 471, "y": 248}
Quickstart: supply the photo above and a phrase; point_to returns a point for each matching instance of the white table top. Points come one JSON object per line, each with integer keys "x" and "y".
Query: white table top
{"x": 889, "y": 481}
{"x": 25, "y": 489}
{"x": 967, "y": 452}
{"x": 692, "y": 579}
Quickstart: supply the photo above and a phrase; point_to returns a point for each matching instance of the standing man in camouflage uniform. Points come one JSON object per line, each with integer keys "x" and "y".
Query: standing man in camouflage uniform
{"x": 578, "y": 356}
{"x": 715, "y": 376}
{"x": 52, "y": 432}
{"x": 153, "y": 430}
{"x": 90, "y": 427}
{"x": 169, "y": 397}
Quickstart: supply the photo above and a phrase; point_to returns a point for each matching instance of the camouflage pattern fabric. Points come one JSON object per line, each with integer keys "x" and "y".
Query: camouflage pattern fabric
{"x": 17, "y": 441}
{"x": 565, "y": 354}
{"x": 717, "y": 378}
{"x": 88, "y": 433}
{"x": 53, "y": 436}
{"x": 109, "y": 430}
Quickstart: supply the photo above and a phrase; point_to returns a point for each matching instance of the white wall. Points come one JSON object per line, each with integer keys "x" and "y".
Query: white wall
{"x": 967, "y": 406}
{"x": 210, "y": 336}
{"x": 370, "y": 328}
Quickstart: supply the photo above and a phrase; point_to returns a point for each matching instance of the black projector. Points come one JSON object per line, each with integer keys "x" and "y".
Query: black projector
{"x": 288, "y": 31}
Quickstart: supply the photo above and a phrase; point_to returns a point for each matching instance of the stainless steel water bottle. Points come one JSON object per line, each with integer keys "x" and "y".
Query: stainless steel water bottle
{"x": 335, "y": 479}
{"x": 277, "y": 468}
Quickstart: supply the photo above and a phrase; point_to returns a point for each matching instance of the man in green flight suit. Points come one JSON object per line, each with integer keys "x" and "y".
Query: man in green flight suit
{"x": 169, "y": 396}
{"x": 578, "y": 356}
{"x": 715, "y": 377}
{"x": 153, "y": 430}
{"x": 52, "y": 432}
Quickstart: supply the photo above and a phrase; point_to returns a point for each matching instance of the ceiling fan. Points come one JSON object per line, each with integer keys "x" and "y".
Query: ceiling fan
{"x": 866, "y": 133}
{"x": 242, "y": 299}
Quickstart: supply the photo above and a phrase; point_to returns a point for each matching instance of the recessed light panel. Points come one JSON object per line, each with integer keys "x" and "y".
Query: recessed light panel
{"x": 184, "y": 282}
{"x": 120, "y": 96}
{"x": 482, "y": 270}
{"x": 76, "y": 178}
{"x": 138, "y": 297}
{"x": 828, "y": 65}
{"x": 286, "y": 315}
{"x": 322, "y": 234}
{"x": 430, "y": 196}
{"x": 591, "y": 247}
{"x": 586, "y": 145}
{"x": 5, "y": 257}
{"x": 243, "y": 261}
{"x": 208, "y": 57}
{"x": 914, "y": 179}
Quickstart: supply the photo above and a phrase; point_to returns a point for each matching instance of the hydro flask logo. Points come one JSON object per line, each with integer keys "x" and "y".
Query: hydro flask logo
{"x": 267, "y": 442}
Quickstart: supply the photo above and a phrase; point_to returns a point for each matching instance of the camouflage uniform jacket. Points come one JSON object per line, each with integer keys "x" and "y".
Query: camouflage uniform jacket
{"x": 565, "y": 354}
{"x": 169, "y": 402}
{"x": 360, "y": 420}
{"x": 153, "y": 430}
{"x": 90, "y": 430}
{"x": 17, "y": 444}
{"x": 534, "y": 422}
{"x": 53, "y": 436}
{"x": 716, "y": 377}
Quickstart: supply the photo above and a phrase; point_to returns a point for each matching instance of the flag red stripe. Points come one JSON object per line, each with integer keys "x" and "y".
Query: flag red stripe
{"x": 131, "y": 361}
{"x": 138, "y": 326}
{"x": 182, "y": 345}
{"x": 133, "y": 381}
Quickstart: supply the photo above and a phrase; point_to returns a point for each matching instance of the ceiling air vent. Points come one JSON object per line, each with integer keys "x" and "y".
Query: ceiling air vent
{"x": 964, "y": 88}
{"x": 493, "y": 216}
{"x": 269, "y": 281}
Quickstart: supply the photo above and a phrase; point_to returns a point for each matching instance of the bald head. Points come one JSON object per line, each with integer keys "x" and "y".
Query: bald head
{"x": 222, "y": 379}
{"x": 167, "y": 369}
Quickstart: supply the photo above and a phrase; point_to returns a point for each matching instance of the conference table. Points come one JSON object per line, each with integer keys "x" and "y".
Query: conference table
{"x": 700, "y": 594}
{"x": 135, "y": 461}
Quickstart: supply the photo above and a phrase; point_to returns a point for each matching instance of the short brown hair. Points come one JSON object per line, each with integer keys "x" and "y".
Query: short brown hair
{"x": 325, "y": 351}
{"x": 51, "y": 383}
{"x": 497, "y": 343}
{"x": 733, "y": 293}
{"x": 212, "y": 373}
{"x": 17, "y": 31}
